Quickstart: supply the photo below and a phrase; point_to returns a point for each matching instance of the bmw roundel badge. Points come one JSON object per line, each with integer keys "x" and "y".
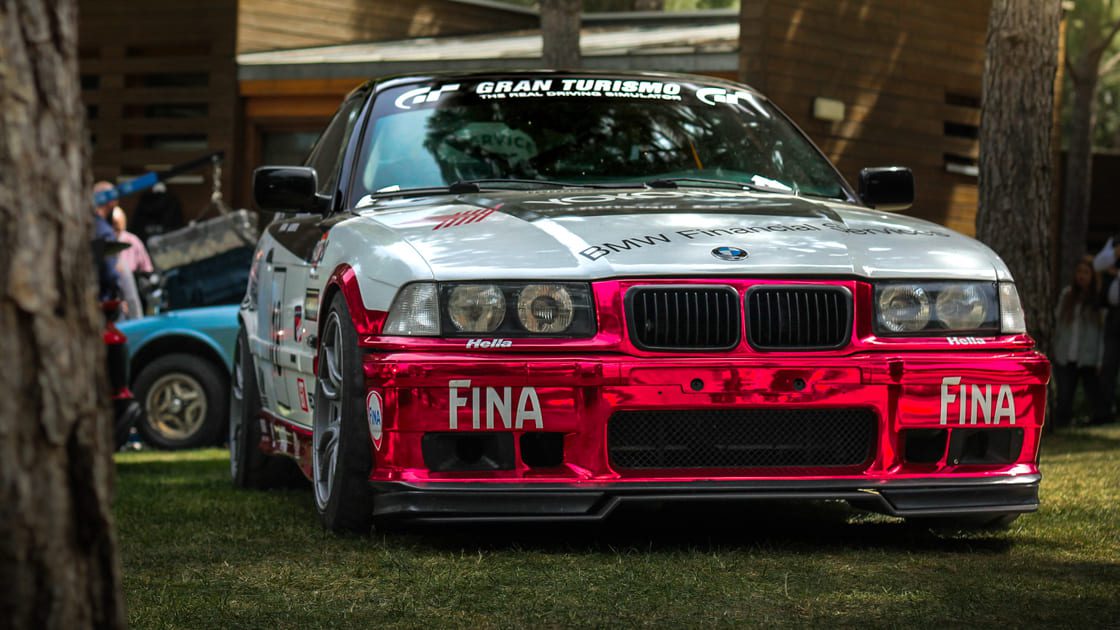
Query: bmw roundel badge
{"x": 729, "y": 253}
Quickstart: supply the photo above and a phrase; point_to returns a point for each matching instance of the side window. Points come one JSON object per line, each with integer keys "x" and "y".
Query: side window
{"x": 325, "y": 157}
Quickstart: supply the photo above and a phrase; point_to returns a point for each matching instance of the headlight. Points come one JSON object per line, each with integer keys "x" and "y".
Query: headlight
{"x": 476, "y": 308}
{"x": 415, "y": 311}
{"x": 517, "y": 309}
{"x": 937, "y": 308}
{"x": 961, "y": 307}
{"x": 545, "y": 308}
{"x": 903, "y": 308}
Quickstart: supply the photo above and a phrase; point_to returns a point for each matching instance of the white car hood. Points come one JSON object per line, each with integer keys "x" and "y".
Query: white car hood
{"x": 620, "y": 233}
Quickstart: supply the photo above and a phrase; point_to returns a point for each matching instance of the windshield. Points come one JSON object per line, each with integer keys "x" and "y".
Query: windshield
{"x": 582, "y": 130}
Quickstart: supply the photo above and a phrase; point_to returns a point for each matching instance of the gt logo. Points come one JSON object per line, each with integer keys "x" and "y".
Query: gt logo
{"x": 423, "y": 95}
{"x": 528, "y": 405}
{"x": 713, "y": 95}
{"x": 978, "y": 400}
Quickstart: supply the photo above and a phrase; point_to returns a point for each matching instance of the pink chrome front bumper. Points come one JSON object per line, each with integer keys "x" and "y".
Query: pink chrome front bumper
{"x": 972, "y": 419}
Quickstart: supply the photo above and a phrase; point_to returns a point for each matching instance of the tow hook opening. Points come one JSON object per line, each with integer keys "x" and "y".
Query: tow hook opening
{"x": 542, "y": 450}
{"x": 453, "y": 452}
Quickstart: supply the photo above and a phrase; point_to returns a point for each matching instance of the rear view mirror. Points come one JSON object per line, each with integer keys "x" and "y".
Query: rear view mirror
{"x": 887, "y": 187}
{"x": 287, "y": 189}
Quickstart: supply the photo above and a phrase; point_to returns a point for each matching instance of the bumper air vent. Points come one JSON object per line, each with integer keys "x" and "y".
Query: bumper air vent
{"x": 742, "y": 438}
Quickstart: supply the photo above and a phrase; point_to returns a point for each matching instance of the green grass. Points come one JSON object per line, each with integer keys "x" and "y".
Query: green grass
{"x": 199, "y": 554}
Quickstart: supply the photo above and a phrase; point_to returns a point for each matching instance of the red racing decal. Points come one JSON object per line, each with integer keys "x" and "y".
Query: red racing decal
{"x": 302, "y": 393}
{"x": 463, "y": 218}
{"x": 366, "y": 322}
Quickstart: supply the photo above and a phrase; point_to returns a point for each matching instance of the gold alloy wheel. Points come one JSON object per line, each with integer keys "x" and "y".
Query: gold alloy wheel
{"x": 176, "y": 406}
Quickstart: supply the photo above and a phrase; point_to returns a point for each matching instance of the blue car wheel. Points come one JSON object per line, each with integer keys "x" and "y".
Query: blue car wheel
{"x": 185, "y": 399}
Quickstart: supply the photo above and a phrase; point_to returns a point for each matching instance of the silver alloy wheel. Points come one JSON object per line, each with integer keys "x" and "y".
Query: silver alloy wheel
{"x": 328, "y": 417}
{"x": 236, "y": 409}
{"x": 176, "y": 405}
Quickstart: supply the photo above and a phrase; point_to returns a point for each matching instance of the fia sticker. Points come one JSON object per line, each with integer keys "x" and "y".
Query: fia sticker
{"x": 373, "y": 414}
{"x": 302, "y": 394}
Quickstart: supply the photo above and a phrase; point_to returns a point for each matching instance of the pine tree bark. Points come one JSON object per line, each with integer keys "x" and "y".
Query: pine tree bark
{"x": 1078, "y": 178}
{"x": 58, "y": 555}
{"x": 1015, "y": 150}
{"x": 560, "y": 23}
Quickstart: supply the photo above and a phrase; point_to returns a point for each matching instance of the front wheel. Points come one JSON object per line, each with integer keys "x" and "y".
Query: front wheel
{"x": 341, "y": 453}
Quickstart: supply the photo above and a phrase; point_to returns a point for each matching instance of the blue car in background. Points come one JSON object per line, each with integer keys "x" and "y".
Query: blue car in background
{"x": 179, "y": 364}
{"x": 180, "y": 359}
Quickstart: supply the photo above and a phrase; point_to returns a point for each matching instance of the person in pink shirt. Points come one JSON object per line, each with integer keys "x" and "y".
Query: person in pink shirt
{"x": 135, "y": 258}
{"x": 131, "y": 261}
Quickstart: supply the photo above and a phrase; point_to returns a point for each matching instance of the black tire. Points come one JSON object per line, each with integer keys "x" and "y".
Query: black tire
{"x": 343, "y": 496}
{"x": 250, "y": 467}
{"x": 984, "y": 522}
{"x": 184, "y": 398}
{"x": 127, "y": 414}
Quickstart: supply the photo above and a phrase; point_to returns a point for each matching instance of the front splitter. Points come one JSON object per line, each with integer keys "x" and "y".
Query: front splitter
{"x": 505, "y": 502}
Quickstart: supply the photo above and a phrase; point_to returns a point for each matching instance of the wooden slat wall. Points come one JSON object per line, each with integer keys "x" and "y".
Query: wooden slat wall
{"x": 891, "y": 62}
{"x": 121, "y": 41}
{"x": 280, "y": 24}
{"x": 288, "y": 104}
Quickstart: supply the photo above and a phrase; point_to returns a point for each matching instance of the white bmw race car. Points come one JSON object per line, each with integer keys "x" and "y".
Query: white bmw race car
{"x": 547, "y": 295}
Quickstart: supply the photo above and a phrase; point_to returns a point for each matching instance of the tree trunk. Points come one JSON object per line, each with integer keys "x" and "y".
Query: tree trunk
{"x": 560, "y": 32}
{"x": 58, "y": 554}
{"x": 1015, "y": 153}
{"x": 1076, "y": 196}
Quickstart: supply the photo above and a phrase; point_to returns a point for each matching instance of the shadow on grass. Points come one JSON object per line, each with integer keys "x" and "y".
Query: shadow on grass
{"x": 810, "y": 528}
{"x": 199, "y": 485}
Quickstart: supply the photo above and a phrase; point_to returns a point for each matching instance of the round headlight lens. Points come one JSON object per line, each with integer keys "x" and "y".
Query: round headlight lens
{"x": 476, "y": 308}
{"x": 961, "y": 307}
{"x": 903, "y": 308}
{"x": 545, "y": 308}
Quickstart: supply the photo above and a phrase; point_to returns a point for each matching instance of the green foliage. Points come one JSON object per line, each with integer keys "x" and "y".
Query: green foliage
{"x": 1086, "y": 25}
{"x": 197, "y": 553}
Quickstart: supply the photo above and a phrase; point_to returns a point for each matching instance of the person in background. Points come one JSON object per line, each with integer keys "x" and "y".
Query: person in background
{"x": 135, "y": 258}
{"x": 1105, "y": 263}
{"x": 108, "y": 279}
{"x": 129, "y": 262}
{"x": 1077, "y": 342}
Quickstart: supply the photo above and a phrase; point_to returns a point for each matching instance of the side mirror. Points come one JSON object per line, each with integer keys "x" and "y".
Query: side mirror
{"x": 288, "y": 189}
{"x": 887, "y": 187}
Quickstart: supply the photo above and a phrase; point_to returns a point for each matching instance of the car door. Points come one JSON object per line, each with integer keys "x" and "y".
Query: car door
{"x": 296, "y": 236}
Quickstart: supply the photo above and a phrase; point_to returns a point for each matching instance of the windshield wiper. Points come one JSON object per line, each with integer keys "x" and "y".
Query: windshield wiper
{"x": 674, "y": 182}
{"x": 478, "y": 184}
{"x": 470, "y": 186}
